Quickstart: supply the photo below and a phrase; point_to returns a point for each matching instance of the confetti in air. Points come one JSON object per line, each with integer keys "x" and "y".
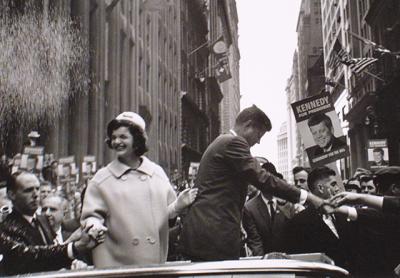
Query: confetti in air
{"x": 42, "y": 66}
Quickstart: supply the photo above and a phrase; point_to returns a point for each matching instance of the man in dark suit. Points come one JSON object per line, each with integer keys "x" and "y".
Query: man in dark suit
{"x": 211, "y": 229}
{"x": 54, "y": 207}
{"x": 323, "y": 133}
{"x": 26, "y": 239}
{"x": 379, "y": 228}
{"x": 263, "y": 219}
{"x": 310, "y": 231}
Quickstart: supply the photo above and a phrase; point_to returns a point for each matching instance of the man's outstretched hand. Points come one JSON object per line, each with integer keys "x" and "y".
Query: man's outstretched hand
{"x": 345, "y": 198}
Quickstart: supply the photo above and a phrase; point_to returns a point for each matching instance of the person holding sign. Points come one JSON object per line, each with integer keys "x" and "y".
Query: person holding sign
{"x": 323, "y": 133}
{"x": 129, "y": 202}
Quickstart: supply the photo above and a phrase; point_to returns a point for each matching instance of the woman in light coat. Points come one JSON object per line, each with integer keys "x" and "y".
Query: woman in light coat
{"x": 129, "y": 202}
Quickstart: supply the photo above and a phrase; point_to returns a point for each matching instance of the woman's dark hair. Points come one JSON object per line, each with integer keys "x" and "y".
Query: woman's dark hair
{"x": 139, "y": 137}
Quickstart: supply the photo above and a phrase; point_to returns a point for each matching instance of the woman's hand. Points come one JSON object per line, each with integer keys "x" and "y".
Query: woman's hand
{"x": 97, "y": 231}
{"x": 186, "y": 197}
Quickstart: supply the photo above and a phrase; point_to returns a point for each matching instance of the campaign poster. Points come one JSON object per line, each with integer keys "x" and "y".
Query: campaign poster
{"x": 88, "y": 166}
{"x": 67, "y": 171}
{"x": 320, "y": 129}
{"x": 32, "y": 159}
{"x": 378, "y": 153}
{"x": 193, "y": 170}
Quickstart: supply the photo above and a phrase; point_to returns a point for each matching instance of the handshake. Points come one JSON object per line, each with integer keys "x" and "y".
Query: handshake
{"x": 335, "y": 203}
{"x": 86, "y": 238}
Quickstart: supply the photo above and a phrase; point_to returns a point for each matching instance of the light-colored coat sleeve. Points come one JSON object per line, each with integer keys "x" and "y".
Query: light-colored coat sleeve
{"x": 171, "y": 195}
{"x": 94, "y": 209}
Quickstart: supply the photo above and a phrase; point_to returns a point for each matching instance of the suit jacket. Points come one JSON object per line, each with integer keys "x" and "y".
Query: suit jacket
{"x": 211, "y": 229}
{"x": 379, "y": 238}
{"x": 24, "y": 250}
{"x": 306, "y": 232}
{"x": 337, "y": 142}
{"x": 263, "y": 234}
{"x": 391, "y": 205}
{"x": 68, "y": 227}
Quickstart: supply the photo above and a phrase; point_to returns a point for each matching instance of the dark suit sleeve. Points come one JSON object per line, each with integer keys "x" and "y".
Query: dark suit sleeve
{"x": 391, "y": 205}
{"x": 238, "y": 156}
{"x": 33, "y": 258}
{"x": 254, "y": 239}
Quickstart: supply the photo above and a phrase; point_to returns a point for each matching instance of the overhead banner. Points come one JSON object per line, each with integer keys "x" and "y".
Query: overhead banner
{"x": 320, "y": 129}
{"x": 378, "y": 153}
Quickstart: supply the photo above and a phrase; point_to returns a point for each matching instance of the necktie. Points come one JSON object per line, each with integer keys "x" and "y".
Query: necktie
{"x": 271, "y": 210}
{"x": 36, "y": 225}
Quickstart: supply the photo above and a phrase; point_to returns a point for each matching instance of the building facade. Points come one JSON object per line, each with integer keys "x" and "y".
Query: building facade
{"x": 363, "y": 101}
{"x": 283, "y": 158}
{"x": 230, "y": 104}
{"x": 143, "y": 57}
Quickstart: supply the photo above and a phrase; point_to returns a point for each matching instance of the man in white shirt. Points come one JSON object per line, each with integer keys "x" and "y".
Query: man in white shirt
{"x": 310, "y": 231}
{"x": 55, "y": 207}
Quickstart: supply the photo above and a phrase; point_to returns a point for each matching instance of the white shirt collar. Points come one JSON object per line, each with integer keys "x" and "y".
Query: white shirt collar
{"x": 266, "y": 201}
{"x": 28, "y": 218}
{"x": 59, "y": 236}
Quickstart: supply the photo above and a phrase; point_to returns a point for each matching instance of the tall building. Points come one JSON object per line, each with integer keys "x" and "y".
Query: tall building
{"x": 296, "y": 153}
{"x": 364, "y": 102}
{"x": 307, "y": 76}
{"x": 230, "y": 104}
{"x": 309, "y": 47}
{"x": 135, "y": 66}
{"x": 204, "y": 24}
{"x": 156, "y": 58}
{"x": 336, "y": 17}
{"x": 283, "y": 159}
{"x": 382, "y": 17}
{"x": 195, "y": 94}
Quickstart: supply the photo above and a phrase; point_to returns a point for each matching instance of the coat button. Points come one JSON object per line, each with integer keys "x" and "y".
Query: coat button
{"x": 150, "y": 240}
{"x": 135, "y": 241}
{"x": 143, "y": 178}
{"x": 124, "y": 178}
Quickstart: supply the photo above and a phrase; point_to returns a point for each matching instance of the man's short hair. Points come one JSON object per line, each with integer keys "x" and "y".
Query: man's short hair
{"x": 366, "y": 178}
{"x": 378, "y": 150}
{"x": 270, "y": 167}
{"x": 298, "y": 169}
{"x": 12, "y": 181}
{"x": 64, "y": 201}
{"x": 318, "y": 174}
{"x": 256, "y": 115}
{"x": 319, "y": 118}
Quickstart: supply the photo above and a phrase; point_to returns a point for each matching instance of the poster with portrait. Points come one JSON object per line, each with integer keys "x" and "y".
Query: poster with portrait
{"x": 67, "y": 171}
{"x": 193, "y": 170}
{"x": 88, "y": 166}
{"x": 32, "y": 159}
{"x": 320, "y": 129}
{"x": 378, "y": 153}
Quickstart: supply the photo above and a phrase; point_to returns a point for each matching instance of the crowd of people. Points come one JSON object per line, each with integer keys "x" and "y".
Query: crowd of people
{"x": 130, "y": 213}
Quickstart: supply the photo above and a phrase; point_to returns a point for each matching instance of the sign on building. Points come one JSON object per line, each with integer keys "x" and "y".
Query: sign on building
{"x": 378, "y": 154}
